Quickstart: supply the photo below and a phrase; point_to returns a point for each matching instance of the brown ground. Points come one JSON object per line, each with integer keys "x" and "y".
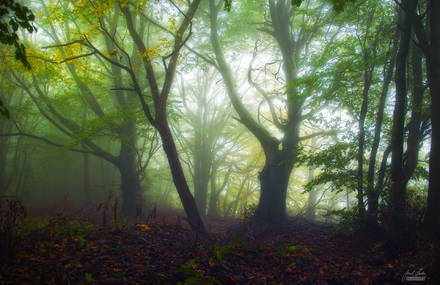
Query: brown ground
{"x": 79, "y": 249}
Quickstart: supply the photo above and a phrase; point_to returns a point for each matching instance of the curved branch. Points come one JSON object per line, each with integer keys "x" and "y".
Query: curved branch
{"x": 260, "y": 90}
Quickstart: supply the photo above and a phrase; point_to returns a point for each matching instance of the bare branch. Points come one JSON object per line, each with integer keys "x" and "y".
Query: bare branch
{"x": 260, "y": 90}
{"x": 46, "y": 141}
{"x": 76, "y": 57}
{"x": 80, "y": 41}
{"x": 323, "y": 133}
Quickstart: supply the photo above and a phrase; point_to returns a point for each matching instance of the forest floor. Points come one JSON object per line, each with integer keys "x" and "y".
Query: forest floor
{"x": 60, "y": 249}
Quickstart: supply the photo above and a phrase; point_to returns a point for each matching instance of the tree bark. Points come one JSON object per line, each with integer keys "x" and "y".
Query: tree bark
{"x": 415, "y": 130}
{"x": 398, "y": 182}
{"x": 372, "y": 194}
{"x": 213, "y": 195}
{"x": 159, "y": 121}
{"x": 368, "y": 73}
{"x": 432, "y": 216}
{"x": 313, "y": 195}
{"x": 179, "y": 179}
{"x": 127, "y": 165}
{"x": 274, "y": 179}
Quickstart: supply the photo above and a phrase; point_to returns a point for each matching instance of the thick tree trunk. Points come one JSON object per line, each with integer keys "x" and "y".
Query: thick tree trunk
{"x": 398, "y": 182}
{"x": 274, "y": 179}
{"x": 180, "y": 182}
{"x": 432, "y": 216}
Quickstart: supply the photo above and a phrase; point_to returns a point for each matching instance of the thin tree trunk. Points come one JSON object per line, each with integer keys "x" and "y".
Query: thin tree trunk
{"x": 313, "y": 195}
{"x": 86, "y": 177}
{"x": 213, "y": 195}
{"x": 361, "y": 140}
{"x": 415, "y": 131}
{"x": 398, "y": 182}
{"x": 372, "y": 194}
{"x": 179, "y": 179}
{"x": 127, "y": 165}
{"x": 202, "y": 165}
{"x": 432, "y": 216}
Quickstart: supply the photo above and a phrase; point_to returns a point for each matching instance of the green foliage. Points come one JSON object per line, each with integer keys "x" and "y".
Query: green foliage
{"x": 12, "y": 17}
{"x": 220, "y": 251}
{"x": 416, "y": 204}
{"x": 348, "y": 220}
{"x": 228, "y": 5}
{"x": 48, "y": 232}
{"x": 334, "y": 162}
{"x": 338, "y": 5}
{"x": 194, "y": 275}
{"x": 250, "y": 211}
{"x": 292, "y": 250}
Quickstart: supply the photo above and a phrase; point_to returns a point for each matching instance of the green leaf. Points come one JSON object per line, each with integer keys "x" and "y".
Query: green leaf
{"x": 228, "y": 5}
{"x": 296, "y": 3}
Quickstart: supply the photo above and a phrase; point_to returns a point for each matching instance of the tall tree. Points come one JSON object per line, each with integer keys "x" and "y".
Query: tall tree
{"x": 160, "y": 97}
{"x": 398, "y": 181}
{"x": 207, "y": 117}
{"x": 429, "y": 41}
{"x": 292, "y": 40}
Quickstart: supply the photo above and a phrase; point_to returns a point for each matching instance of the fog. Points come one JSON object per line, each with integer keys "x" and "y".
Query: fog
{"x": 203, "y": 114}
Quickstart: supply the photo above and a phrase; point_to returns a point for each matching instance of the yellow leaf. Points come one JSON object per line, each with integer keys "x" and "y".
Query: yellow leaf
{"x": 144, "y": 227}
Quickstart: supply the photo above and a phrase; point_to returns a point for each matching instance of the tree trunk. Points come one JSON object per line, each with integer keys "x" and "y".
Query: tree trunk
{"x": 432, "y": 216}
{"x": 180, "y": 182}
{"x": 274, "y": 179}
{"x": 127, "y": 165}
{"x": 86, "y": 177}
{"x": 415, "y": 131}
{"x": 4, "y": 145}
{"x": 361, "y": 140}
{"x": 313, "y": 195}
{"x": 398, "y": 182}
{"x": 372, "y": 194}
{"x": 202, "y": 165}
{"x": 213, "y": 197}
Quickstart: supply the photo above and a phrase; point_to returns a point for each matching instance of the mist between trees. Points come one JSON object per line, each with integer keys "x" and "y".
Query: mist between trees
{"x": 277, "y": 108}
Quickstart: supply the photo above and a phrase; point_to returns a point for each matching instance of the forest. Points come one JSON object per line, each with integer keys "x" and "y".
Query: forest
{"x": 219, "y": 142}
